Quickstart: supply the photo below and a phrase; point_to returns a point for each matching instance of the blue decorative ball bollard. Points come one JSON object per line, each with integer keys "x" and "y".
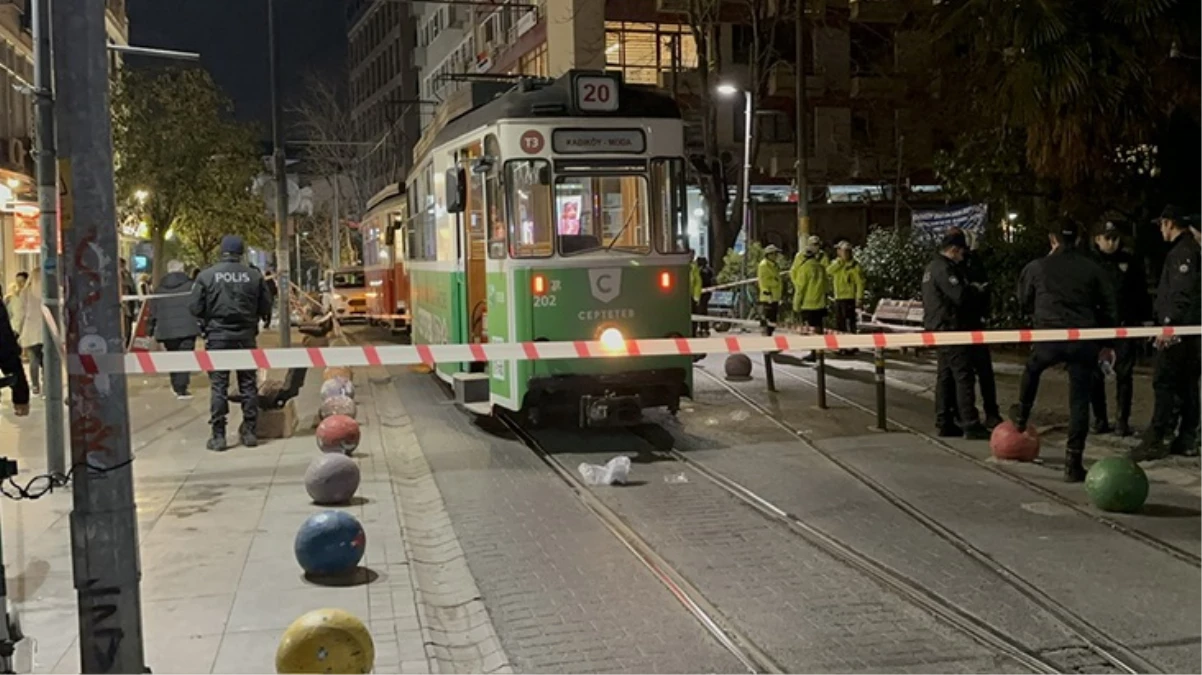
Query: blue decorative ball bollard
{"x": 330, "y": 543}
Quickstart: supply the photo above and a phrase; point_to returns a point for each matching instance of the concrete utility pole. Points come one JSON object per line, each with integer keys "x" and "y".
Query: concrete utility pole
{"x": 282, "y": 262}
{"x": 56, "y": 453}
{"x": 803, "y": 184}
{"x": 104, "y": 525}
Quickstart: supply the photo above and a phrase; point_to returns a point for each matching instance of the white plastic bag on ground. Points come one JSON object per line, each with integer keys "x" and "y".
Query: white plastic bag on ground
{"x": 615, "y": 470}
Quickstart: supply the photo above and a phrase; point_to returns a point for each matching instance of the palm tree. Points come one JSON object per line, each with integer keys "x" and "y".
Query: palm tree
{"x": 1078, "y": 82}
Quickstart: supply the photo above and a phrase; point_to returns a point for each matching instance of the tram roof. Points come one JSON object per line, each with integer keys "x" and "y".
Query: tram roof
{"x": 533, "y": 98}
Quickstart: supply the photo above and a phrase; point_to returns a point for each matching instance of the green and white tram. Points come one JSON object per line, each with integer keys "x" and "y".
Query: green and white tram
{"x": 556, "y": 212}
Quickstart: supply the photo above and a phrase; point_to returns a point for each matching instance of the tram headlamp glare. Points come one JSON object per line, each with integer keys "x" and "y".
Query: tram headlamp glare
{"x": 612, "y": 340}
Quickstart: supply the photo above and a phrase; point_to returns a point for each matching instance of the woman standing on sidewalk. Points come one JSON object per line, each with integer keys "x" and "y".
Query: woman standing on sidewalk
{"x": 27, "y": 324}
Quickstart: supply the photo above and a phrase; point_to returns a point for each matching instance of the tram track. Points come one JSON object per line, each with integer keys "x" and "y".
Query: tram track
{"x": 1110, "y": 650}
{"x": 743, "y": 649}
{"x": 1142, "y": 537}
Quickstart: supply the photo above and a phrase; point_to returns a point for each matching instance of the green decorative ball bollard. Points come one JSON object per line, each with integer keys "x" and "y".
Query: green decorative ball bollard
{"x": 1117, "y": 484}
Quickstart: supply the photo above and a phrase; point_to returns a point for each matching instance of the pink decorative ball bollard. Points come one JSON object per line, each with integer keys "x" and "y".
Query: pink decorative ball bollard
{"x": 1007, "y": 442}
{"x": 338, "y": 433}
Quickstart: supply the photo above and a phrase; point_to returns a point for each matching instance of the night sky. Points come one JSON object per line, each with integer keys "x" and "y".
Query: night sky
{"x": 231, "y": 36}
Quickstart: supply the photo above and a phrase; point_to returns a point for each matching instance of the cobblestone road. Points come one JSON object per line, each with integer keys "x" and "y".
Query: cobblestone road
{"x": 563, "y": 593}
{"x": 1140, "y": 596}
{"x": 809, "y": 611}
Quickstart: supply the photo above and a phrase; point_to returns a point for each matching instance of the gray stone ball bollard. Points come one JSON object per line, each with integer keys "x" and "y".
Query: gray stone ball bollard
{"x": 738, "y": 367}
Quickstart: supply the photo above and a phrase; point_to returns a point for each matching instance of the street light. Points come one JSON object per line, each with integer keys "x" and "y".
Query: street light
{"x": 141, "y": 196}
{"x": 730, "y": 90}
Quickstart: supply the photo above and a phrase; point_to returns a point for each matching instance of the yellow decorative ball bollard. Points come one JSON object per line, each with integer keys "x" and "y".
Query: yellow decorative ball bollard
{"x": 326, "y": 641}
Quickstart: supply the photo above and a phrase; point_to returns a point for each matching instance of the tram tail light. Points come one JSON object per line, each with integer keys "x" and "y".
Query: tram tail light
{"x": 539, "y": 282}
{"x": 665, "y": 280}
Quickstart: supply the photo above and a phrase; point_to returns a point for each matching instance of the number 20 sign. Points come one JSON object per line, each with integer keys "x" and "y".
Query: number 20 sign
{"x": 596, "y": 93}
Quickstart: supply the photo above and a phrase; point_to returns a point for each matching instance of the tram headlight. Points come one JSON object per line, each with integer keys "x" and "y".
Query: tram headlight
{"x": 611, "y": 340}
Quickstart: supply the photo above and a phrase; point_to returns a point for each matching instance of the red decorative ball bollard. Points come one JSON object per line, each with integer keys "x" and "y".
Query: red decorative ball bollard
{"x": 338, "y": 433}
{"x": 1007, "y": 442}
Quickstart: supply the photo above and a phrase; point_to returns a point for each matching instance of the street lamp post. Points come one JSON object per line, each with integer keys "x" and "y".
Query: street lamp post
{"x": 748, "y": 122}
{"x": 281, "y": 180}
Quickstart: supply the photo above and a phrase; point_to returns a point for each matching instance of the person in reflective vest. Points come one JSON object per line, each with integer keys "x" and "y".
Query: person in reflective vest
{"x": 771, "y": 288}
{"x": 811, "y": 284}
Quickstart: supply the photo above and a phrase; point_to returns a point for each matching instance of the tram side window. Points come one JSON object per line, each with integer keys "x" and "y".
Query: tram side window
{"x": 495, "y": 219}
{"x": 496, "y": 223}
{"x": 669, "y": 218}
{"x": 528, "y": 183}
{"x": 599, "y": 212}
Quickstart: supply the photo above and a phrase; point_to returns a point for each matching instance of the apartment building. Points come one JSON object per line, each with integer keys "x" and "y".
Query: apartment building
{"x": 865, "y": 62}
{"x": 865, "y": 73}
{"x": 383, "y": 91}
{"x": 20, "y": 239}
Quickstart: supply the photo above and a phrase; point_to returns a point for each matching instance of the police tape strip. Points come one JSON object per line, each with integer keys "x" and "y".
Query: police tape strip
{"x": 152, "y": 296}
{"x": 390, "y": 355}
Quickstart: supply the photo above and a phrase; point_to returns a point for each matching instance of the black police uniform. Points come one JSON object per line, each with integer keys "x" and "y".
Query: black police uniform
{"x": 945, "y": 299}
{"x": 1178, "y": 365}
{"x": 1126, "y": 273}
{"x": 230, "y": 299}
{"x": 974, "y": 319}
{"x": 1066, "y": 289}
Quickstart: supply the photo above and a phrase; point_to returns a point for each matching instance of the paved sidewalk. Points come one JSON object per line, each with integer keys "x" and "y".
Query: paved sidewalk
{"x": 219, "y": 580}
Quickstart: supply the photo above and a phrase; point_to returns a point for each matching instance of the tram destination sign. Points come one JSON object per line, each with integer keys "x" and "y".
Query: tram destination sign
{"x": 583, "y": 141}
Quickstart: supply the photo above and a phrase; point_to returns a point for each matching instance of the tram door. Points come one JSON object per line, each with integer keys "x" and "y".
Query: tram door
{"x": 474, "y": 236}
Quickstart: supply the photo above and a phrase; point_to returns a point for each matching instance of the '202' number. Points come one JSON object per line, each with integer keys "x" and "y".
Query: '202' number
{"x": 596, "y": 93}
{"x": 544, "y": 301}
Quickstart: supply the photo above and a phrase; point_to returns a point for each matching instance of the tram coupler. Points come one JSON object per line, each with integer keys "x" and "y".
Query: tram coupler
{"x": 610, "y": 411}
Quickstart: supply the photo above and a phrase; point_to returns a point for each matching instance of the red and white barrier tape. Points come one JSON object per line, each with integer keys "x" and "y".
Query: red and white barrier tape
{"x": 387, "y": 355}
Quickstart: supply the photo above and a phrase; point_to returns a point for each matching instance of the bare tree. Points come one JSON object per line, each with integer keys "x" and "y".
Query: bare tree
{"x": 317, "y": 240}
{"x": 332, "y": 144}
{"x": 714, "y": 169}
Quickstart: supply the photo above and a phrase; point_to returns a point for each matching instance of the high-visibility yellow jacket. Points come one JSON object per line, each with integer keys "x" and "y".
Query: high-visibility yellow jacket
{"x": 768, "y": 275}
{"x": 695, "y": 281}
{"x": 847, "y": 278}
{"x": 810, "y": 286}
{"x": 801, "y": 258}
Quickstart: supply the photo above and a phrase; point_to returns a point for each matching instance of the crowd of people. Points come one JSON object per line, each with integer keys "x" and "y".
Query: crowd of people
{"x": 223, "y": 305}
{"x": 1073, "y": 287}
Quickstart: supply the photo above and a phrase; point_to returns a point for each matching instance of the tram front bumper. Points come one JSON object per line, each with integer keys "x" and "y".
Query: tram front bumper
{"x": 610, "y": 411}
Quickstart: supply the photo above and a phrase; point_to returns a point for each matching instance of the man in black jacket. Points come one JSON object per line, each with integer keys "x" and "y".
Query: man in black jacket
{"x": 172, "y": 322}
{"x": 946, "y": 297}
{"x": 230, "y": 299}
{"x": 974, "y": 319}
{"x": 1126, "y": 273}
{"x": 1178, "y": 362}
{"x": 1065, "y": 289}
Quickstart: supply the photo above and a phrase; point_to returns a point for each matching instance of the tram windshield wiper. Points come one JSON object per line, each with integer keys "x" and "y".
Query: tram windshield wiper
{"x": 625, "y": 225}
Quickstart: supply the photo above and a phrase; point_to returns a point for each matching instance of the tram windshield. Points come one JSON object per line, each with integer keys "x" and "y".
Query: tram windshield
{"x": 602, "y": 213}
{"x": 349, "y": 279}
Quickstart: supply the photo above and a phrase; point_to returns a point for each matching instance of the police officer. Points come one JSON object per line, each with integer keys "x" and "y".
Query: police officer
{"x": 1178, "y": 362}
{"x": 946, "y": 298}
{"x": 975, "y": 315}
{"x": 1065, "y": 289}
{"x": 229, "y": 299}
{"x": 771, "y": 288}
{"x": 1126, "y": 273}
